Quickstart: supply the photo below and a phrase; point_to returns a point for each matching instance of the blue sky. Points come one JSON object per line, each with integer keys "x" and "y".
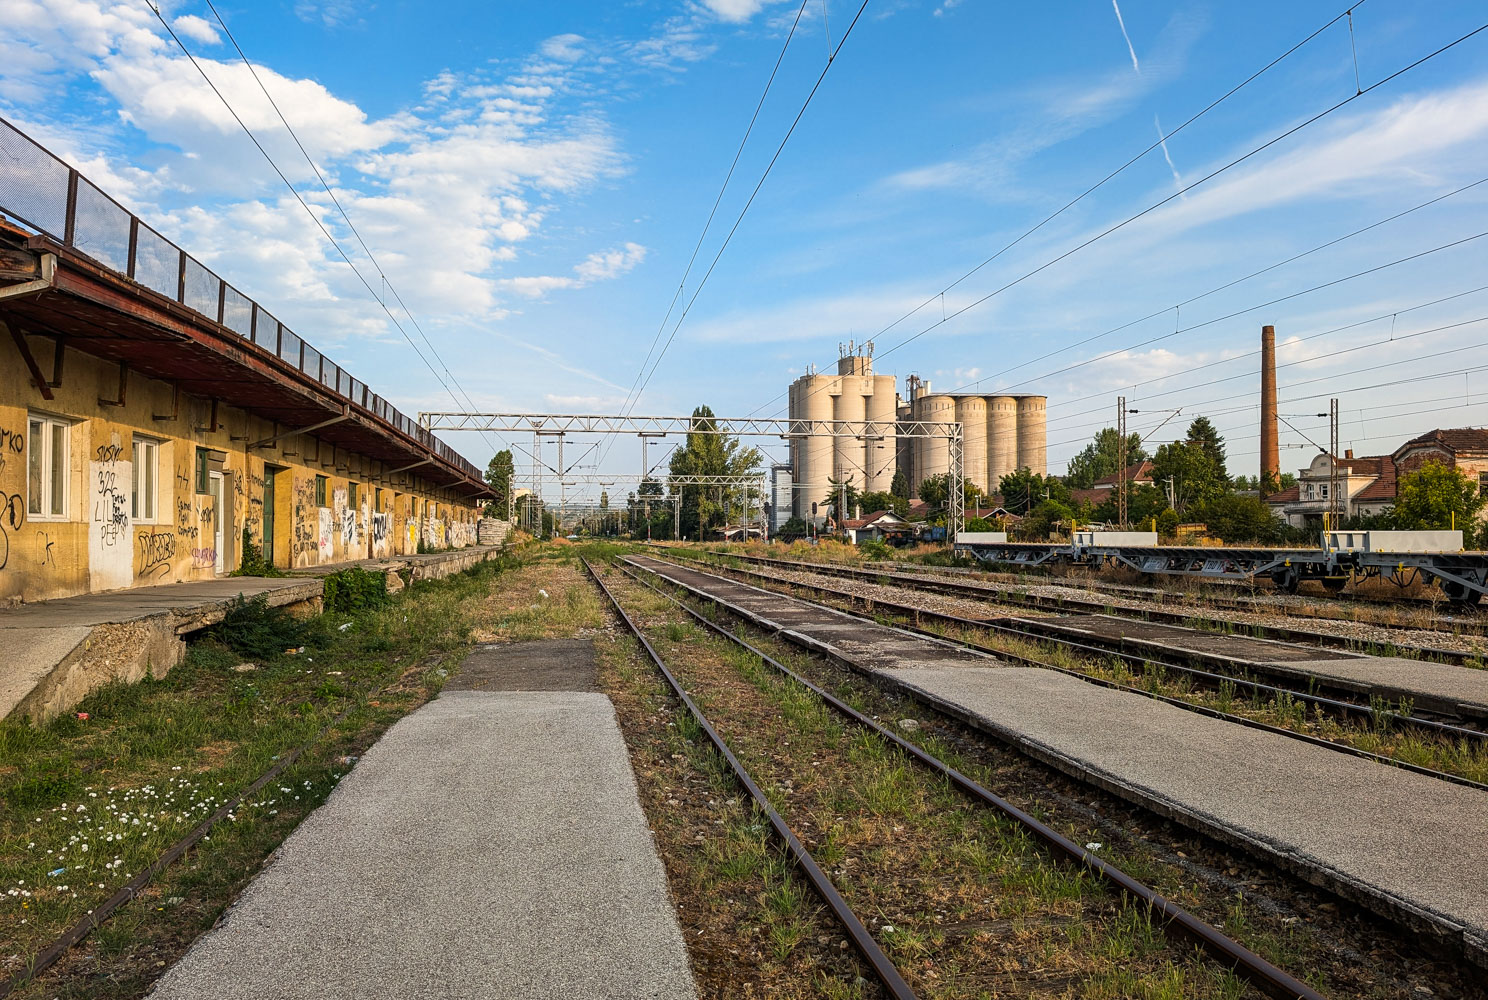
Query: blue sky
{"x": 533, "y": 178}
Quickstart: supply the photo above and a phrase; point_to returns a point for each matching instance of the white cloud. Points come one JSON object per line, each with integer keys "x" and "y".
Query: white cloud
{"x": 568, "y": 48}
{"x": 734, "y": 11}
{"x": 331, "y": 13}
{"x": 947, "y": 5}
{"x": 601, "y": 266}
{"x": 1366, "y": 153}
{"x": 198, "y": 29}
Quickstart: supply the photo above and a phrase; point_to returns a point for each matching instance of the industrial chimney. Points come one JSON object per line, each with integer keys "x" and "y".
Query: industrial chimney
{"x": 1270, "y": 449}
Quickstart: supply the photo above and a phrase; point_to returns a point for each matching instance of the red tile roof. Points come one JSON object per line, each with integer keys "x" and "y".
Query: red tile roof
{"x": 1288, "y": 495}
{"x": 1453, "y": 439}
{"x": 1139, "y": 473}
{"x": 1382, "y": 488}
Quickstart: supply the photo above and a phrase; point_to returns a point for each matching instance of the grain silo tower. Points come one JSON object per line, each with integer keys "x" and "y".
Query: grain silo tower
{"x": 999, "y": 435}
{"x": 1032, "y": 433}
{"x": 856, "y": 395}
{"x": 1002, "y": 439}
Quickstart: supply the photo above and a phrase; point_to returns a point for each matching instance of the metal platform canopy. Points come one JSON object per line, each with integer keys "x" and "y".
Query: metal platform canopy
{"x": 787, "y": 429}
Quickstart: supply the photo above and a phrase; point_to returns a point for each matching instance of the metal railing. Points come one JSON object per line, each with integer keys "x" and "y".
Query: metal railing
{"x": 40, "y": 191}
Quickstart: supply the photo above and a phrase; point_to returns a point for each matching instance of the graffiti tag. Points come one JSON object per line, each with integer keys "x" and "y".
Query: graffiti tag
{"x": 157, "y": 549}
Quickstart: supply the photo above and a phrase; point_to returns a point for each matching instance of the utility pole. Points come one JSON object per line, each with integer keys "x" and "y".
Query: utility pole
{"x": 1121, "y": 462}
{"x": 1336, "y": 506}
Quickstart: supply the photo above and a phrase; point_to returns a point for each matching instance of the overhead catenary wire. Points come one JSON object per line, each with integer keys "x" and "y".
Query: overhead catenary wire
{"x": 1392, "y": 315}
{"x": 831, "y": 61}
{"x": 940, "y": 295}
{"x": 320, "y": 224}
{"x": 707, "y": 224}
{"x": 1313, "y": 119}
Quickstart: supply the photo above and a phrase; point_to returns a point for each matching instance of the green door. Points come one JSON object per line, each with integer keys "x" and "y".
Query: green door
{"x": 268, "y": 515}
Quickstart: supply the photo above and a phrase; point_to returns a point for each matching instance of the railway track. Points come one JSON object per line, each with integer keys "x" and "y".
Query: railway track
{"x": 815, "y": 636}
{"x": 1175, "y": 921}
{"x": 1143, "y": 663}
{"x": 1020, "y": 598}
{"x": 1245, "y": 597}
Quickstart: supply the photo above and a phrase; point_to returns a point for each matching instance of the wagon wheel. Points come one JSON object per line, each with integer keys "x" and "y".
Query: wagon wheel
{"x": 1286, "y": 579}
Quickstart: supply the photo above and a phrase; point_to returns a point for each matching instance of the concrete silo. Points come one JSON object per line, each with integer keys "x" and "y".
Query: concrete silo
{"x": 812, "y": 400}
{"x": 935, "y": 451}
{"x": 855, "y": 395}
{"x": 851, "y": 405}
{"x": 1033, "y": 433}
{"x": 1002, "y": 438}
{"x": 881, "y": 456}
{"x": 971, "y": 414}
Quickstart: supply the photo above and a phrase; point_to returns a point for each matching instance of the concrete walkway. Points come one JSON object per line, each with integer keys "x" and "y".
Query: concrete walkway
{"x": 490, "y": 845}
{"x": 52, "y": 653}
{"x": 1401, "y": 843}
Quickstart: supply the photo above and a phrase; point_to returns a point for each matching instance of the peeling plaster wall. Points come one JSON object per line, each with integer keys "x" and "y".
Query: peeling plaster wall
{"x": 99, "y": 543}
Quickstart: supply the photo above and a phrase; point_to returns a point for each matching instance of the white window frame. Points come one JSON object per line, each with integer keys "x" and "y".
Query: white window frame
{"x": 1323, "y": 489}
{"x": 151, "y": 447}
{"x": 53, "y": 426}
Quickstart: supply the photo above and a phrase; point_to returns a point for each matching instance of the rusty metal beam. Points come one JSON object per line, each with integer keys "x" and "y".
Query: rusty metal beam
{"x": 265, "y": 442}
{"x": 26, "y": 356}
{"x": 123, "y": 386}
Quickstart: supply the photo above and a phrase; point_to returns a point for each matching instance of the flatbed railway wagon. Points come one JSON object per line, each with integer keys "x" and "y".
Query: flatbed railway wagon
{"x": 1401, "y": 557}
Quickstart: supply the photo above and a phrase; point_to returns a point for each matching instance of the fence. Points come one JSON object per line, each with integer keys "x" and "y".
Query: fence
{"x": 40, "y": 191}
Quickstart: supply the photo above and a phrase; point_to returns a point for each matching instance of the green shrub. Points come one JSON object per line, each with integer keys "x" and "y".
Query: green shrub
{"x": 876, "y": 548}
{"x": 257, "y": 631}
{"x": 353, "y": 590}
{"x": 254, "y": 564}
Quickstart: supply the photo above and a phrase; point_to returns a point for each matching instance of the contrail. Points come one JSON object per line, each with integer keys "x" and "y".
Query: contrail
{"x": 1162, "y": 139}
{"x": 1117, "y": 7}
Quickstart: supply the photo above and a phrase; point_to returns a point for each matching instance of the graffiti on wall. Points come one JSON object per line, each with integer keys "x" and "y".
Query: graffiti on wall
{"x": 11, "y": 519}
{"x": 410, "y": 541}
{"x": 44, "y": 546}
{"x": 304, "y": 544}
{"x": 156, "y": 550}
{"x": 326, "y": 528}
{"x": 204, "y": 558}
{"x": 11, "y": 443}
{"x": 382, "y": 530}
{"x": 110, "y": 548}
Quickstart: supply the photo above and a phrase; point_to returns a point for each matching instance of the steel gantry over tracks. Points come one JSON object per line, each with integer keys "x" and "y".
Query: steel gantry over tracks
{"x": 787, "y": 429}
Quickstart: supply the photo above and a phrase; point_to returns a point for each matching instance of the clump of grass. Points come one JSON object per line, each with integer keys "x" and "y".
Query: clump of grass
{"x": 254, "y": 629}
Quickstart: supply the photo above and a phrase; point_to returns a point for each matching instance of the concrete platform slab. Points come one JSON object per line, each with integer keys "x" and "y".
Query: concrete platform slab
{"x": 1407, "y": 845}
{"x": 1387, "y": 837}
{"x": 1448, "y": 688}
{"x": 490, "y": 845}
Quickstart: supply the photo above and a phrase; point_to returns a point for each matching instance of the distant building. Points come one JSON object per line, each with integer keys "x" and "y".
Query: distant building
{"x": 1368, "y": 484}
{"x": 881, "y": 524}
{"x": 1103, "y": 488}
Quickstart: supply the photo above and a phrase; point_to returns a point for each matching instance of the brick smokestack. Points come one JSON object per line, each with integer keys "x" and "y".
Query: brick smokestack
{"x": 1270, "y": 449}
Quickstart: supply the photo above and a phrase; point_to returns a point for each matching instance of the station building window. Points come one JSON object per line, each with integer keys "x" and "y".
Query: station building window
{"x": 46, "y": 467}
{"x": 320, "y": 491}
{"x": 203, "y": 467}
{"x": 351, "y": 495}
{"x": 144, "y": 485}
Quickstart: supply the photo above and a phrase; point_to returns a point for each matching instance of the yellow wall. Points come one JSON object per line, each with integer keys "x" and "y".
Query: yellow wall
{"x": 98, "y": 544}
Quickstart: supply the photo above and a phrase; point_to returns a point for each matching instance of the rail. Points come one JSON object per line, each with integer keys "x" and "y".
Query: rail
{"x": 1175, "y": 919}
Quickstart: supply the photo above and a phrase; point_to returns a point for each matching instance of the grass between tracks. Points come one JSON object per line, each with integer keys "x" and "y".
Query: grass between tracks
{"x": 1379, "y": 735}
{"x": 88, "y": 803}
{"x": 963, "y": 900}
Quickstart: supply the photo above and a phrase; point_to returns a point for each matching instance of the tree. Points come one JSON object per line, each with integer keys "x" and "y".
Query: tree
{"x": 711, "y": 454}
{"x": 833, "y": 499}
{"x": 1023, "y": 490}
{"x": 499, "y": 473}
{"x": 1044, "y": 518}
{"x": 793, "y": 528}
{"x": 1204, "y": 435}
{"x": 1233, "y": 518}
{"x": 900, "y": 485}
{"x": 884, "y": 501}
{"x": 933, "y": 491}
{"x": 1436, "y": 496}
{"x": 1102, "y": 457}
{"x": 1194, "y": 477}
